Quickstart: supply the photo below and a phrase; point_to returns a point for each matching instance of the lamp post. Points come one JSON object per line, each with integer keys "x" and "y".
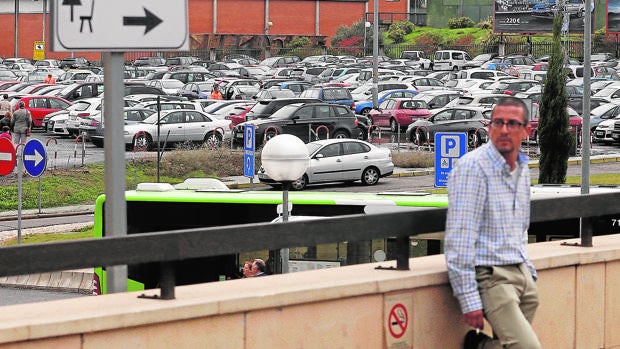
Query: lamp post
{"x": 268, "y": 25}
{"x": 375, "y": 52}
{"x": 285, "y": 159}
{"x": 366, "y": 26}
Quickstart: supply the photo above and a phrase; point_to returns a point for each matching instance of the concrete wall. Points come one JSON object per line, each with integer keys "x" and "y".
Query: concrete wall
{"x": 350, "y": 307}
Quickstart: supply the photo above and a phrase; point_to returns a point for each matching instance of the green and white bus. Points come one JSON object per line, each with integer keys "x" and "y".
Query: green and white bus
{"x": 154, "y": 207}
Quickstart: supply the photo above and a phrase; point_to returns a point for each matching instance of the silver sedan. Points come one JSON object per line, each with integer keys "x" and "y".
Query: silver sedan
{"x": 177, "y": 126}
{"x": 341, "y": 160}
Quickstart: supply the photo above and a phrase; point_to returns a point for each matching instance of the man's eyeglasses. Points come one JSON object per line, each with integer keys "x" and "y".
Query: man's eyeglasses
{"x": 510, "y": 124}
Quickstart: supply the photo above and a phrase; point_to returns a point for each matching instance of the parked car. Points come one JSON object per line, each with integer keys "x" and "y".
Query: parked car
{"x": 341, "y": 160}
{"x": 470, "y": 120}
{"x": 39, "y": 106}
{"x": 364, "y": 107}
{"x": 176, "y": 126}
{"x": 196, "y": 90}
{"x": 93, "y": 129}
{"x": 419, "y": 57}
{"x": 82, "y": 109}
{"x": 574, "y": 122}
{"x": 74, "y": 63}
{"x": 266, "y": 107}
{"x": 169, "y": 86}
{"x": 335, "y": 95}
{"x": 398, "y": 113}
{"x": 303, "y": 120}
{"x": 437, "y": 99}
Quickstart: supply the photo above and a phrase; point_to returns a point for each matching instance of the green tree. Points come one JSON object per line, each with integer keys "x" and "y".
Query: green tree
{"x": 554, "y": 136}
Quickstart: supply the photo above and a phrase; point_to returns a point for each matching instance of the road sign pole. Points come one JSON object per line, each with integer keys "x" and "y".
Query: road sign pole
{"x": 114, "y": 177}
{"x": 20, "y": 170}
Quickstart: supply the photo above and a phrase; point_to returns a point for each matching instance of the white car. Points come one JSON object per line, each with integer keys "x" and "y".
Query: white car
{"x": 341, "y": 160}
{"x": 602, "y": 132}
{"x": 82, "y": 108}
{"x": 169, "y": 86}
{"x": 177, "y": 126}
{"x": 56, "y": 123}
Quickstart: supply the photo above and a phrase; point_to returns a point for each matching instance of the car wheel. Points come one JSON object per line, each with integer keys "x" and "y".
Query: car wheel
{"x": 142, "y": 141}
{"x": 300, "y": 184}
{"x": 370, "y": 176}
{"x": 340, "y": 134}
{"x": 213, "y": 140}
{"x": 365, "y": 111}
{"x": 363, "y": 133}
{"x": 472, "y": 139}
{"x": 393, "y": 125}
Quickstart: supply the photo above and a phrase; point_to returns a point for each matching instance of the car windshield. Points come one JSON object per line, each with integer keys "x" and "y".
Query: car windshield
{"x": 171, "y": 83}
{"x": 312, "y": 147}
{"x": 80, "y": 106}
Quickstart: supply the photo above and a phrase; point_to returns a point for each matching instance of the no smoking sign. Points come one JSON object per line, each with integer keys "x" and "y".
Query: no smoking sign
{"x": 398, "y": 332}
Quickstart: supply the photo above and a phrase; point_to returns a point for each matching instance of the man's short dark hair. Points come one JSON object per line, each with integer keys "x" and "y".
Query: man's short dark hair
{"x": 6, "y": 96}
{"x": 260, "y": 265}
{"x": 515, "y": 102}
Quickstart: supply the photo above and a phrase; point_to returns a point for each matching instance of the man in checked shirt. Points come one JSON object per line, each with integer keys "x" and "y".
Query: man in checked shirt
{"x": 486, "y": 235}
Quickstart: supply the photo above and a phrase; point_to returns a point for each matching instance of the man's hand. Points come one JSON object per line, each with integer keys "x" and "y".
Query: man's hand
{"x": 474, "y": 319}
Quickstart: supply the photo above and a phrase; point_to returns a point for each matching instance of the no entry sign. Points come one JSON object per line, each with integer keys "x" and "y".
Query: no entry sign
{"x": 7, "y": 156}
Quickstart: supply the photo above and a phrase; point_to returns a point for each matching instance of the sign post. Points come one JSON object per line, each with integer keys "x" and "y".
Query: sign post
{"x": 248, "y": 152}
{"x": 116, "y": 26}
{"x": 449, "y": 147}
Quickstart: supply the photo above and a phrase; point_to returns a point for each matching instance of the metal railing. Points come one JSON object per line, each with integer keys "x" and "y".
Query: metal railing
{"x": 170, "y": 246}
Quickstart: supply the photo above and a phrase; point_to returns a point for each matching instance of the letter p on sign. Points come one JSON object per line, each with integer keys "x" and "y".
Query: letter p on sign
{"x": 450, "y": 147}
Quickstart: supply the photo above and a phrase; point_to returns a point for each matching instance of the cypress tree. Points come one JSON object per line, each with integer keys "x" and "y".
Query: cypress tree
{"x": 554, "y": 135}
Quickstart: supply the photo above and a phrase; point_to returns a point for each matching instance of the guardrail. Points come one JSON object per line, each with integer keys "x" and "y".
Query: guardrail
{"x": 170, "y": 246}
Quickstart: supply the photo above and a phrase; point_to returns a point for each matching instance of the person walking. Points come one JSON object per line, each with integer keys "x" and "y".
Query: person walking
{"x": 486, "y": 235}
{"x": 21, "y": 123}
{"x": 6, "y": 120}
{"x": 5, "y": 105}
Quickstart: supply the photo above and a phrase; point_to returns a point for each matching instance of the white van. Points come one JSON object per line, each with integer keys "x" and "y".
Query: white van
{"x": 450, "y": 60}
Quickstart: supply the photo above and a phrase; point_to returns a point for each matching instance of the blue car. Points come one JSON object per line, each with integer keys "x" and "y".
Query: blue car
{"x": 363, "y": 107}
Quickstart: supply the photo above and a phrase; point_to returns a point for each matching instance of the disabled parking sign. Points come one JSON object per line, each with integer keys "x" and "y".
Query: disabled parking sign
{"x": 449, "y": 147}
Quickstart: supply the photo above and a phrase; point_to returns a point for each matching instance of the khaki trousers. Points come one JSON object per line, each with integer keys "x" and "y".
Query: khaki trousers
{"x": 510, "y": 298}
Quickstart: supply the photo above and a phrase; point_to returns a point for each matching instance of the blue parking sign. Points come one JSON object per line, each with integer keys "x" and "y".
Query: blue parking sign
{"x": 449, "y": 147}
{"x": 248, "y": 150}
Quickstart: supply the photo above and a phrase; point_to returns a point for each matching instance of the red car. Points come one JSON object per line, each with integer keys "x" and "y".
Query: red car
{"x": 39, "y": 106}
{"x": 239, "y": 117}
{"x": 395, "y": 112}
{"x": 574, "y": 122}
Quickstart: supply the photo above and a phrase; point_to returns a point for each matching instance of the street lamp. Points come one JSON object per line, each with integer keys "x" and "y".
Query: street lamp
{"x": 285, "y": 159}
{"x": 366, "y": 26}
{"x": 375, "y": 52}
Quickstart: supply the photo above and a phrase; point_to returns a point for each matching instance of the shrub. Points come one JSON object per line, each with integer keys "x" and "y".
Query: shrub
{"x": 405, "y": 26}
{"x": 429, "y": 39}
{"x": 397, "y": 35}
{"x": 461, "y": 22}
{"x": 485, "y": 23}
{"x": 300, "y": 42}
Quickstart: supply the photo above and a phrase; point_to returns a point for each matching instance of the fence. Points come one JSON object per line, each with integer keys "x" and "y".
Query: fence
{"x": 574, "y": 48}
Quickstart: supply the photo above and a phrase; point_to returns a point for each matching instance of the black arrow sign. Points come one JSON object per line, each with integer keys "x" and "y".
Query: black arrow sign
{"x": 149, "y": 20}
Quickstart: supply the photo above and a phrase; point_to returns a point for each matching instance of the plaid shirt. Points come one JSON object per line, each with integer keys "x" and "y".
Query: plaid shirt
{"x": 488, "y": 217}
